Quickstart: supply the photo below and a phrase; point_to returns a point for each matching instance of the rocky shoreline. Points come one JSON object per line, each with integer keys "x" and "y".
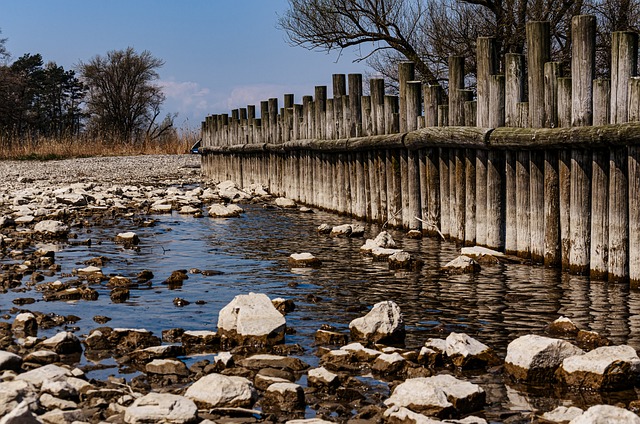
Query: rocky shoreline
{"x": 255, "y": 375}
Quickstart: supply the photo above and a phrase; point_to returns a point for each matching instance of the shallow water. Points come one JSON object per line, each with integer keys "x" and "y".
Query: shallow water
{"x": 495, "y": 306}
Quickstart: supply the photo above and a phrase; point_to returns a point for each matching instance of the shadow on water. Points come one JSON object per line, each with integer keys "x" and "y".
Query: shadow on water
{"x": 251, "y": 252}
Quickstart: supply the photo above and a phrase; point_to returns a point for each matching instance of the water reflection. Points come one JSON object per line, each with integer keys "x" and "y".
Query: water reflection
{"x": 251, "y": 252}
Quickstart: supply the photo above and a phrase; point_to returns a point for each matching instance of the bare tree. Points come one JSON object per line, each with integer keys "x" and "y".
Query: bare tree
{"x": 123, "y": 100}
{"x": 338, "y": 24}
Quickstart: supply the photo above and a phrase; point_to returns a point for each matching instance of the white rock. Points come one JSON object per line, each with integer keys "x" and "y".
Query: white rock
{"x": 220, "y": 210}
{"x": 161, "y": 208}
{"x": 535, "y": 358}
{"x": 383, "y": 239}
{"x": 604, "y": 368}
{"x": 480, "y": 251}
{"x": 283, "y": 202}
{"x": 188, "y": 210}
{"x": 90, "y": 270}
{"x": 12, "y": 393}
{"x": 322, "y": 377}
{"x": 562, "y": 414}
{"x": 252, "y": 315}
{"x": 9, "y": 361}
{"x": 440, "y": 394}
{"x": 217, "y": 390}
{"x": 463, "y": 350}
{"x": 50, "y": 227}
{"x": 161, "y": 407}
{"x": 463, "y": 265}
{"x": 606, "y": 414}
{"x": 384, "y": 323}
{"x": 20, "y": 414}
{"x": 400, "y": 414}
{"x": 49, "y": 372}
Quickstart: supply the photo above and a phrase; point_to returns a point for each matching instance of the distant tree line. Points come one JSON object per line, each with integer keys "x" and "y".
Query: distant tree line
{"x": 114, "y": 98}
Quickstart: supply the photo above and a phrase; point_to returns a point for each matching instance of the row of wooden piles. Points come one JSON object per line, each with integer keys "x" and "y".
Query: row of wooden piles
{"x": 534, "y": 179}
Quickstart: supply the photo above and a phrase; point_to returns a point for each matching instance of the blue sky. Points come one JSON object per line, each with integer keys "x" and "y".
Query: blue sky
{"x": 219, "y": 54}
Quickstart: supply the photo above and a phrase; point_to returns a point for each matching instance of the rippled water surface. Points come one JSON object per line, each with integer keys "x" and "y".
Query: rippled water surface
{"x": 495, "y": 306}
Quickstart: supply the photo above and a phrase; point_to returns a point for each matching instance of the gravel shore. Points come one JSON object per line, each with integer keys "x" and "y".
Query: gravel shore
{"x": 148, "y": 169}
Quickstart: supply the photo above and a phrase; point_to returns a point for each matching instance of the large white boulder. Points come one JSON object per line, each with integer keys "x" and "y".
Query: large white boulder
{"x": 51, "y": 228}
{"x": 161, "y": 407}
{"x": 230, "y": 191}
{"x": 251, "y": 319}
{"x": 467, "y": 352}
{"x": 606, "y": 414}
{"x": 219, "y": 210}
{"x": 441, "y": 395}
{"x": 219, "y": 391}
{"x": 535, "y": 359}
{"x": 604, "y": 368}
{"x": 383, "y": 239}
{"x": 383, "y": 324}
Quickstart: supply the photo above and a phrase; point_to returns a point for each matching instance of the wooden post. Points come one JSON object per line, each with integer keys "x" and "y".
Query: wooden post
{"x": 536, "y": 205}
{"x": 523, "y": 236}
{"x": 496, "y": 101}
{"x": 432, "y": 170}
{"x": 413, "y": 189}
{"x": 583, "y": 68}
{"x": 432, "y": 98}
{"x": 456, "y": 81}
{"x": 552, "y": 70}
{"x": 460, "y": 194}
{"x": 624, "y": 65}
{"x": 511, "y": 212}
{"x": 599, "y": 254}
{"x": 367, "y": 124}
{"x": 551, "y": 209}
{"x": 522, "y": 114}
{"x": 376, "y": 87}
{"x": 601, "y": 101}
{"x": 406, "y": 72}
{"x": 413, "y": 91}
{"x": 445, "y": 218}
{"x": 355, "y": 106}
{"x": 470, "y": 111}
{"x": 538, "y": 53}
{"x": 618, "y": 269}
{"x": 564, "y": 191}
{"x": 339, "y": 91}
{"x": 470, "y": 197}
{"x": 580, "y": 211}
{"x": 443, "y": 115}
{"x": 320, "y": 111}
{"x": 273, "y": 120}
{"x": 487, "y": 65}
{"x": 382, "y": 184}
{"x": 514, "y": 86}
{"x": 495, "y": 199}
{"x": 481, "y": 197}
{"x": 391, "y": 112}
{"x": 634, "y": 216}
{"x": 564, "y": 102}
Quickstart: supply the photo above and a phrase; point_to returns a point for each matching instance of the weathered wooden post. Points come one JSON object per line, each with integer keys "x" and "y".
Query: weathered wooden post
{"x": 538, "y": 53}
{"x": 355, "y": 105}
{"x": 624, "y": 65}
{"x": 552, "y": 70}
{"x": 634, "y": 216}
{"x": 580, "y": 210}
{"x": 392, "y": 114}
{"x": 487, "y": 65}
{"x": 618, "y": 269}
{"x": 583, "y": 67}
{"x": 564, "y": 191}
{"x": 445, "y": 217}
{"x": 523, "y": 199}
{"x": 552, "y": 254}
{"x": 432, "y": 98}
{"x": 470, "y": 197}
{"x": 601, "y": 101}
{"x": 367, "y": 123}
{"x": 599, "y": 241}
{"x": 470, "y": 111}
{"x": 536, "y": 205}
{"x": 459, "y": 182}
{"x": 406, "y": 72}
{"x": 496, "y": 101}
{"x": 495, "y": 199}
{"x": 481, "y": 197}
{"x": 412, "y": 181}
{"x": 511, "y": 208}
{"x": 273, "y": 120}
{"x": 339, "y": 91}
{"x": 321, "y": 111}
{"x": 514, "y": 86}
{"x": 376, "y": 88}
{"x": 564, "y": 102}
{"x": 456, "y": 83}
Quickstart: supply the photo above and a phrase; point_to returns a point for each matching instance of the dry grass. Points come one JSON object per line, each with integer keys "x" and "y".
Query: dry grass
{"x": 51, "y": 149}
